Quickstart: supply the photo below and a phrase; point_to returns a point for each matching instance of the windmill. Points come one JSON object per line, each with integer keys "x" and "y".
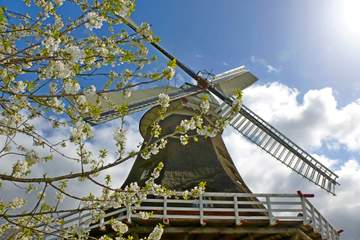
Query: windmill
{"x": 209, "y": 161}
{"x": 245, "y": 122}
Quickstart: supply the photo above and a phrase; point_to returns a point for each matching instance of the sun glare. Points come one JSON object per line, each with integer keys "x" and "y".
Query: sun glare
{"x": 350, "y": 15}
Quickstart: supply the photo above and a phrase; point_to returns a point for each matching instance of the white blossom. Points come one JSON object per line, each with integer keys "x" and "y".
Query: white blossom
{"x": 90, "y": 91}
{"x": 81, "y": 132}
{"x": 144, "y": 215}
{"x": 93, "y": 20}
{"x": 156, "y": 233}
{"x": 53, "y": 88}
{"x": 169, "y": 72}
{"x": 120, "y": 138}
{"x": 154, "y": 150}
{"x": 81, "y": 100}
{"x": 119, "y": 227}
{"x": 58, "y": 69}
{"x": 145, "y": 30}
{"x": 102, "y": 51}
{"x": 205, "y": 105}
{"x": 127, "y": 93}
{"x": 198, "y": 190}
{"x": 46, "y": 5}
{"x": 164, "y": 100}
{"x": 198, "y": 121}
{"x": 185, "y": 194}
{"x": 20, "y": 87}
{"x": 188, "y": 124}
{"x": 162, "y": 143}
{"x": 56, "y": 103}
{"x": 52, "y": 44}
{"x": 155, "y": 174}
{"x": 71, "y": 86}
{"x": 207, "y": 131}
{"x": 76, "y": 54}
{"x": 20, "y": 168}
{"x": 236, "y": 105}
{"x": 184, "y": 139}
{"x": 145, "y": 154}
{"x": 59, "y": 2}
{"x": 156, "y": 129}
{"x": 124, "y": 11}
{"x": 105, "y": 237}
{"x": 17, "y": 203}
{"x": 127, "y": 75}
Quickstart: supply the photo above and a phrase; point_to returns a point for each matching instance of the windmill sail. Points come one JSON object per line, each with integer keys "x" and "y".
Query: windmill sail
{"x": 280, "y": 147}
{"x": 140, "y": 100}
{"x": 227, "y": 82}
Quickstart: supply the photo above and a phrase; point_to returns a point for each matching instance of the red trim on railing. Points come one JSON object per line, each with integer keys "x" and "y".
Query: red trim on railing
{"x": 306, "y": 195}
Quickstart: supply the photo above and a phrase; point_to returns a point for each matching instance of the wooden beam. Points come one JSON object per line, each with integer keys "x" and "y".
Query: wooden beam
{"x": 249, "y": 237}
{"x": 303, "y": 235}
{"x": 220, "y": 230}
{"x": 272, "y": 237}
{"x": 296, "y": 237}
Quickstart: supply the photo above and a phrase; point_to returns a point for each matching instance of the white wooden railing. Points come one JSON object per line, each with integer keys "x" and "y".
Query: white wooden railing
{"x": 238, "y": 208}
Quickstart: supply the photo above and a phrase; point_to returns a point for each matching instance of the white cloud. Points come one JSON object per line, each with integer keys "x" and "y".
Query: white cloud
{"x": 262, "y": 173}
{"x": 60, "y": 165}
{"x": 311, "y": 122}
{"x": 269, "y": 68}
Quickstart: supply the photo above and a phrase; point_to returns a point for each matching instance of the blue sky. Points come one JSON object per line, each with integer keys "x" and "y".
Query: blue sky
{"x": 305, "y": 39}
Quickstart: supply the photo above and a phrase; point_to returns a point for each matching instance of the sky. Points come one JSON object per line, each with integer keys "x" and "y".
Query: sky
{"x": 307, "y": 43}
{"x": 306, "y": 55}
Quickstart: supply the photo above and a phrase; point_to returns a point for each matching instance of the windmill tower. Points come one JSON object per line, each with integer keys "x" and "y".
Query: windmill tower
{"x": 185, "y": 166}
{"x": 228, "y": 210}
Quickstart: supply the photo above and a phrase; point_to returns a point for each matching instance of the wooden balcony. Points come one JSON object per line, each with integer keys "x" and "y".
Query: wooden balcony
{"x": 260, "y": 216}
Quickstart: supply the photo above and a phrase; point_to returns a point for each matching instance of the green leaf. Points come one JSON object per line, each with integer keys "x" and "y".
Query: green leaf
{"x": 2, "y": 14}
{"x": 172, "y": 63}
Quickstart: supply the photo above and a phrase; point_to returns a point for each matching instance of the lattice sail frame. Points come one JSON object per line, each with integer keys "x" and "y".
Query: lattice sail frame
{"x": 258, "y": 131}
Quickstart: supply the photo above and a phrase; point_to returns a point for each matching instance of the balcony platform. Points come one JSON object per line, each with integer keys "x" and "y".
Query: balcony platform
{"x": 225, "y": 216}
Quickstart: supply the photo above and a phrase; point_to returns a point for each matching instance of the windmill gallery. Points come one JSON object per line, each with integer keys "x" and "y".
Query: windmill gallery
{"x": 228, "y": 209}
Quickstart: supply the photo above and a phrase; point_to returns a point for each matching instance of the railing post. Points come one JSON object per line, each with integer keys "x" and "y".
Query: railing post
{"x": 337, "y": 234}
{"x": 272, "y": 220}
{"x": 303, "y": 205}
{"x": 327, "y": 231}
{"x": 165, "y": 219}
{"x": 201, "y": 208}
{"x": 128, "y": 214}
{"x": 321, "y": 229}
{"x": 236, "y": 209}
{"x": 332, "y": 234}
{"x": 313, "y": 218}
{"x": 101, "y": 222}
{"x": 79, "y": 219}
